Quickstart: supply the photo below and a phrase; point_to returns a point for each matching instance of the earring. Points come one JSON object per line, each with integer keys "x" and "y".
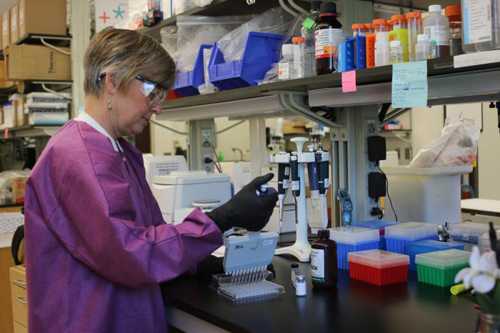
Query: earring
{"x": 109, "y": 106}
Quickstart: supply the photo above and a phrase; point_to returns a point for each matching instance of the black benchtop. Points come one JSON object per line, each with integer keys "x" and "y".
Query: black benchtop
{"x": 353, "y": 307}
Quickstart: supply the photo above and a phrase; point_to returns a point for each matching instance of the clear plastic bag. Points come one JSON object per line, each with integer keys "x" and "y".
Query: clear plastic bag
{"x": 456, "y": 146}
{"x": 181, "y": 6}
{"x": 169, "y": 39}
{"x": 275, "y": 20}
{"x": 192, "y": 31}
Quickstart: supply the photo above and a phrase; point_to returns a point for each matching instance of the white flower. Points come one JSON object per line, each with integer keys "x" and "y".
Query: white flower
{"x": 482, "y": 273}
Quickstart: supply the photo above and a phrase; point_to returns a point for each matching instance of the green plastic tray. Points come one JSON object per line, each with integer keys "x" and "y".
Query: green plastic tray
{"x": 438, "y": 277}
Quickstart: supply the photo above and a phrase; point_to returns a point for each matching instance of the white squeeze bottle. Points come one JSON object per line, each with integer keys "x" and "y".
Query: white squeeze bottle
{"x": 437, "y": 28}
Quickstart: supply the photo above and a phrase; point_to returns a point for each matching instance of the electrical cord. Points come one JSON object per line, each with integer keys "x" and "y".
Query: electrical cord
{"x": 167, "y": 128}
{"x": 388, "y": 195}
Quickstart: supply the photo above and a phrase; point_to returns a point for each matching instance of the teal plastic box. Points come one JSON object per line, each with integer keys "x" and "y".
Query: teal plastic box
{"x": 440, "y": 268}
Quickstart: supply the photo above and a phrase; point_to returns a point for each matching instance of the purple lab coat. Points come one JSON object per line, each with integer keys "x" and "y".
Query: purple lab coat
{"x": 96, "y": 243}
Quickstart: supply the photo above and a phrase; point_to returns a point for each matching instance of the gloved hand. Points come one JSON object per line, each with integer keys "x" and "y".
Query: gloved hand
{"x": 246, "y": 209}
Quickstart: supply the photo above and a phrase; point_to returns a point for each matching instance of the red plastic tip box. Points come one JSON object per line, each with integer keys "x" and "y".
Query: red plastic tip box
{"x": 378, "y": 267}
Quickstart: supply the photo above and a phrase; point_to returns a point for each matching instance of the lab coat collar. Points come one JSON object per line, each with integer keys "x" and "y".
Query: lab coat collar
{"x": 86, "y": 118}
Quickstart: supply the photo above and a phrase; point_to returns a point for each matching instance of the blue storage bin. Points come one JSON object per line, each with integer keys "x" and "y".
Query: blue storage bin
{"x": 353, "y": 238}
{"x": 360, "y": 52}
{"x": 187, "y": 83}
{"x": 380, "y": 225}
{"x": 429, "y": 245}
{"x": 343, "y": 251}
{"x": 262, "y": 50}
{"x": 399, "y": 236}
{"x": 346, "y": 55}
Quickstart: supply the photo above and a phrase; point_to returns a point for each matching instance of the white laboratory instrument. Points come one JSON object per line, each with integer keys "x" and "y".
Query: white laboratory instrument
{"x": 156, "y": 165}
{"x": 246, "y": 258}
{"x": 294, "y": 165}
{"x": 179, "y": 193}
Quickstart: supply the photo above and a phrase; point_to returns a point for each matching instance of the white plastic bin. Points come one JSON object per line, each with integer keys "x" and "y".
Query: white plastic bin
{"x": 425, "y": 194}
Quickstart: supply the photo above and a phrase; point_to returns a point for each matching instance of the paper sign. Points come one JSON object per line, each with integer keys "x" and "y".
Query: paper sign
{"x": 409, "y": 85}
{"x": 111, "y": 13}
{"x": 349, "y": 82}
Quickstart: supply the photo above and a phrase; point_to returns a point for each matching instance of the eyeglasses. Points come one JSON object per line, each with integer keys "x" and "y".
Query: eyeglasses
{"x": 153, "y": 90}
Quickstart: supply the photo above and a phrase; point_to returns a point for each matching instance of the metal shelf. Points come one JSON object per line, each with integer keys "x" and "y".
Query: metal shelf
{"x": 30, "y": 131}
{"x": 446, "y": 86}
{"x": 414, "y": 4}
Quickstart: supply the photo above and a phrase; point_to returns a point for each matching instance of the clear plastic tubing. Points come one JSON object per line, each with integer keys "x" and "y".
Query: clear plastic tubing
{"x": 437, "y": 28}
{"x": 400, "y": 29}
{"x": 414, "y": 29}
{"x": 382, "y": 52}
{"x": 422, "y": 48}
{"x": 396, "y": 52}
{"x": 298, "y": 57}
{"x": 481, "y": 25}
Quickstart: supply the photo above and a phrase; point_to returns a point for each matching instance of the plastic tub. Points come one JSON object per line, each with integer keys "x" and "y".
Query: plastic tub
{"x": 380, "y": 225}
{"x": 440, "y": 268}
{"x": 351, "y": 239}
{"x": 399, "y": 236}
{"x": 187, "y": 83}
{"x": 378, "y": 267}
{"x": 426, "y": 194}
{"x": 467, "y": 232}
{"x": 261, "y": 51}
{"x": 430, "y": 245}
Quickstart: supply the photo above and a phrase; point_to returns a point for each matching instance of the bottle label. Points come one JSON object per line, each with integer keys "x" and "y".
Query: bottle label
{"x": 318, "y": 264}
{"x": 437, "y": 35}
{"x": 327, "y": 42}
{"x": 477, "y": 21}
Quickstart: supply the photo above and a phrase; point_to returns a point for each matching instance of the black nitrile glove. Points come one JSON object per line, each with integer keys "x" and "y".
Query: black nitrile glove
{"x": 246, "y": 209}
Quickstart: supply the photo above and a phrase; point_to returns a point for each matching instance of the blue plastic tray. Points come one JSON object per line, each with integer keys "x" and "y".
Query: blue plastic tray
{"x": 429, "y": 245}
{"x": 187, "y": 83}
{"x": 400, "y": 245}
{"x": 344, "y": 249}
{"x": 262, "y": 50}
{"x": 377, "y": 224}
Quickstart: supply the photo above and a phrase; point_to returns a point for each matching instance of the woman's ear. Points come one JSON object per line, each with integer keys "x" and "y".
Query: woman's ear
{"x": 110, "y": 84}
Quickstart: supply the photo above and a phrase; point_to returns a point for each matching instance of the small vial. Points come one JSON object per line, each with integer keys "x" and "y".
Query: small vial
{"x": 396, "y": 52}
{"x": 300, "y": 285}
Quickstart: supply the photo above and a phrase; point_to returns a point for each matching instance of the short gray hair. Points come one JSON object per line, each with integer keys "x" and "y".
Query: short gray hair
{"x": 126, "y": 54}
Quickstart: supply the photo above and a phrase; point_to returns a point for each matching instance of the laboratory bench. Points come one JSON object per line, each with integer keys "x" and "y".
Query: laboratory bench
{"x": 193, "y": 306}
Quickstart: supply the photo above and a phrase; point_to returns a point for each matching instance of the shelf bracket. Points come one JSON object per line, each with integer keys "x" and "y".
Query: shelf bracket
{"x": 295, "y": 102}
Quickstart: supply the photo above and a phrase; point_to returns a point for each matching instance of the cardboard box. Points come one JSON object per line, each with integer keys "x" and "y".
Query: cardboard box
{"x": 4, "y": 83}
{"x": 14, "y": 28}
{"x": 21, "y": 117}
{"x": 5, "y": 29}
{"x": 46, "y": 17}
{"x": 34, "y": 62}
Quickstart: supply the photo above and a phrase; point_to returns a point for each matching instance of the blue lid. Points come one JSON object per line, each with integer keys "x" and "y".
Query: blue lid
{"x": 435, "y": 244}
{"x": 375, "y": 224}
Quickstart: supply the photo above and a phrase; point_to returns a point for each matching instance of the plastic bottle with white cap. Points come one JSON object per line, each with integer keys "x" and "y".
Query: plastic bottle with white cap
{"x": 437, "y": 28}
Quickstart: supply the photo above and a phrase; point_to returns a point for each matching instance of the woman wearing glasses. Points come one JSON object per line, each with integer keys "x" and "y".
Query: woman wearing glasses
{"x": 96, "y": 243}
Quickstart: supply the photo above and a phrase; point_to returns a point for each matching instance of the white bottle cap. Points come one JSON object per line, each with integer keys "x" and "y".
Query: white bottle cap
{"x": 422, "y": 38}
{"x": 435, "y": 9}
{"x": 395, "y": 43}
